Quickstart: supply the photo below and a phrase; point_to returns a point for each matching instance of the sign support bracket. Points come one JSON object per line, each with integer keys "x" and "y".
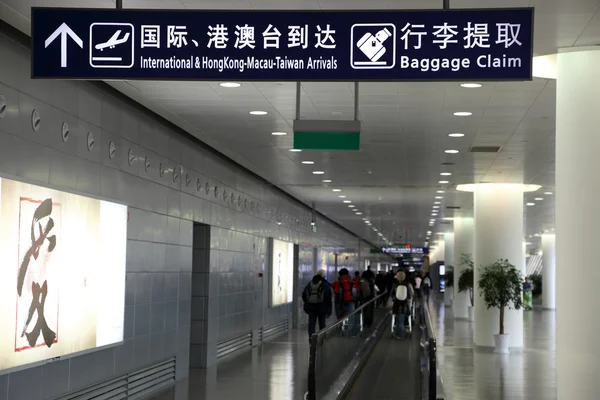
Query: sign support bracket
{"x": 298, "y": 93}
{"x": 446, "y": 4}
{"x": 356, "y": 93}
{"x": 119, "y": 4}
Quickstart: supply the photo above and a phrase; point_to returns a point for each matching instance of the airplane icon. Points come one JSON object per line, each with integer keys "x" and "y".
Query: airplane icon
{"x": 113, "y": 41}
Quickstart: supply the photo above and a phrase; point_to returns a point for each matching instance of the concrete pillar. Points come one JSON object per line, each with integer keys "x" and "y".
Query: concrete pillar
{"x": 449, "y": 260}
{"x": 549, "y": 273}
{"x": 498, "y": 235}
{"x": 463, "y": 243}
{"x": 577, "y": 193}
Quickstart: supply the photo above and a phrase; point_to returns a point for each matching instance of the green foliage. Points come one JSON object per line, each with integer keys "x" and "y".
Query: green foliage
{"x": 466, "y": 278}
{"x": 465, "y": 283}
{"x": 449, "y": 277}
{"x": 536, "y": 280}
{"x": 466, "y": 260}
{"x": 501, "y": 286}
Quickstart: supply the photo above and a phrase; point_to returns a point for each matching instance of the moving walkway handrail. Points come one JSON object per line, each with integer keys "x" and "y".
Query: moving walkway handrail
{"x": 431, "y": 351}
{"x": 314, "y": 342}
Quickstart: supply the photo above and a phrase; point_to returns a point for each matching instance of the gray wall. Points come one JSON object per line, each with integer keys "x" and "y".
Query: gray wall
{"x": 164, "y": 178}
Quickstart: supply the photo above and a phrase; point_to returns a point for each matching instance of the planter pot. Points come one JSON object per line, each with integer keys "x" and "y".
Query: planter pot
{"x": 502, "y": 342}
{"x": 471, "y": 311}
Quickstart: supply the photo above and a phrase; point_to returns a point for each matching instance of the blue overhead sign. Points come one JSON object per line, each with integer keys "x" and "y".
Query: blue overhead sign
{"x": 389, "y": 45}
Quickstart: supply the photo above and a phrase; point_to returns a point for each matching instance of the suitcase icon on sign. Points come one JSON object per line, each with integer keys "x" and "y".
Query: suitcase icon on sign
{"x": 375, "y": 48}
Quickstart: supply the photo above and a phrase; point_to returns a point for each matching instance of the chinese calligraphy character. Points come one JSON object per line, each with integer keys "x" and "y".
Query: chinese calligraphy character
{"x": 245, "y": 37}
{"x": 151, "y": 36}
{"x": 444, "y": 34}
{"x": 298, "y": 36}
{"x": 477, "y": 35}
{"x": 508, "y": 34}
{"x": 324, "y": 36}
{"x": 218, "y": 36}
{"x": 39, "y": 235}
{"x": 176, "y": 36}
{"x": 271, "y": 37}
{"x": 408, "y": 33}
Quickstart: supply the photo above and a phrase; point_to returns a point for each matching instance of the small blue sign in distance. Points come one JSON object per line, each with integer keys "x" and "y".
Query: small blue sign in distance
{"x": 389, "y": 45}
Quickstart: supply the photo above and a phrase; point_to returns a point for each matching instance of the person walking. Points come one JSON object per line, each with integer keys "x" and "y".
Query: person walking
{"x": 527, "y": 295}
{"x": 426, "y": 286}
{"x": 317, "y": 297}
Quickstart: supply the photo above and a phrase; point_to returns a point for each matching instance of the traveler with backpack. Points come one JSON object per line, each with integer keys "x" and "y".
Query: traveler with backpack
{"x": 367, "y": 292}
{"x": 401, "y": 309}
{"x": 356, "y": 279}
{"x": 345, "y": 292}
{"x": 317, "y": 301}
{"x": 380, "y": 283}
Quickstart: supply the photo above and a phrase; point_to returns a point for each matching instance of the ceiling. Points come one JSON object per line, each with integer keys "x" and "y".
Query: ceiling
{"x": 394, "y": 178}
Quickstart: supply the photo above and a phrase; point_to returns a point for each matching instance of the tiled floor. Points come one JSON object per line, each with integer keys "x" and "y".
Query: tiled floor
{"x": 468, "y": 374}
{"x": 275, "y": 371}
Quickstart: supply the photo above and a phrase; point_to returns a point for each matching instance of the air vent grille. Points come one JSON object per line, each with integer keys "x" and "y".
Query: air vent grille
{"x": 453, "y": 207}
{"x": 234, "y": 344}
{"x": 485, "y": 149}
{"x": 136, "y": 385}
{"x": 448, "y": 163}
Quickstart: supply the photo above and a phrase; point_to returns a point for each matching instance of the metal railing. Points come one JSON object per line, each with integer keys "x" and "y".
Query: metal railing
{"x": 338, "y": 351}
{"x": 429, "y": 375}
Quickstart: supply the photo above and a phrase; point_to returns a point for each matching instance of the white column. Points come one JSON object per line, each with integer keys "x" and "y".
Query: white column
{"x": 577, "y": 234}
{"x": 449, "y": 262}
{"x": 549, "y": 273}
{"x": 463, "y": 243}
{"x": 498, "y": 235}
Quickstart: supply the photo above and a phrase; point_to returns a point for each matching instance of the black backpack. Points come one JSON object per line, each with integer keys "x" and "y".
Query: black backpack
{"x": 316, "y": 293}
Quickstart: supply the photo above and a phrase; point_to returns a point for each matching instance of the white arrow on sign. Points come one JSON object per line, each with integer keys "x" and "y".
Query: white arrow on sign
{"x": 63, "y": 31}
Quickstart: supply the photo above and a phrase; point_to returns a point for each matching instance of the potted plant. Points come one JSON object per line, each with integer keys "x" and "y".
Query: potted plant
{"x": 449, "y": 292}
{"x": 465, "y": 281}
{"x": 501, "y": 286}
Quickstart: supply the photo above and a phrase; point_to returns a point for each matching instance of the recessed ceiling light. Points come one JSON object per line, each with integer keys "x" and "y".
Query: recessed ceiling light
{"x": 342, "y": 196}
{"x": 530, "y": 204}
{"x": 295, "y": 150}
{"x": 548, "y": 193}
{"x": 258, "y": 113}
{"x": 351, "y": 206}
{"x": 347, "y": 201}
{"x": 439, "y": 197}
{"x": 436, "y": 202}
{"x": 326, "y": 181}
{"x": 336, "y": 190}
{"x": 367, "y": 221}
{"x": 440, "y": 191}
{"x": 463, "y": 113}
{"x": 443, "y": 182}
{"x": 445, "y": 173}
{"x": 230, "y": 84}
{"x": 456, "y": 135}
{"x": 539, "y": 199}
{"x": 436, "y": 206}
{"x": 358, "y": 213}
{"x": 451, "y": 151}
{"x": 279, "y": 133}
{"x": 470, "y": 85}
{"x": 308, "y": 162}
{"x": 318, "y": 172}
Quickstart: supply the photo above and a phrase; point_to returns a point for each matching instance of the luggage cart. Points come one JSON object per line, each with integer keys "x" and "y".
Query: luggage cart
{"x": 407, "y": 326}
